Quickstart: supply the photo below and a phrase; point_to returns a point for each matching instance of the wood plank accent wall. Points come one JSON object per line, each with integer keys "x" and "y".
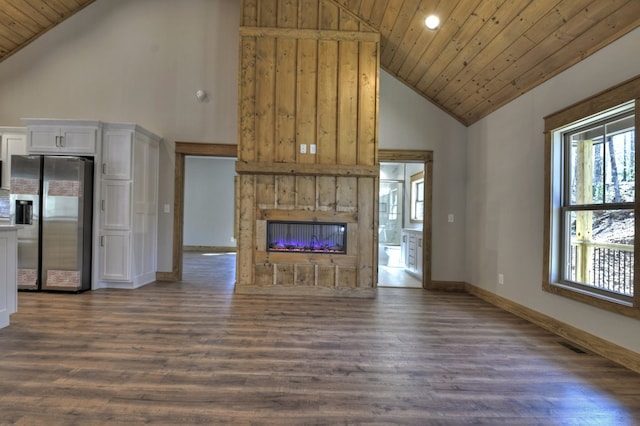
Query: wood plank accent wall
{"x": 309, "y": 75}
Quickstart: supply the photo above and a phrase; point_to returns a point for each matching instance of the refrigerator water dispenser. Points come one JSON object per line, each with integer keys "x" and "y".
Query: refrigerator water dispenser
{"x": 24, "y": 212}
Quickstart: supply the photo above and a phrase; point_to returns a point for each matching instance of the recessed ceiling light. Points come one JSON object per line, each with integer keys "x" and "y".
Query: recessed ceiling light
{"x": 432, "y": 22}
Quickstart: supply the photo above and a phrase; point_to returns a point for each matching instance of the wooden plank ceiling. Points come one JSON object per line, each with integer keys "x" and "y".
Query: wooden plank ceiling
{"x": 22, "y": 21}
{"x": 485, "y": 54}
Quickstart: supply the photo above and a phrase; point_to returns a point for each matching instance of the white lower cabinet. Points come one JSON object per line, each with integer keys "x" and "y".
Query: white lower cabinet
{"x": 115, "y": 256}
{"x": 8, "y": 274}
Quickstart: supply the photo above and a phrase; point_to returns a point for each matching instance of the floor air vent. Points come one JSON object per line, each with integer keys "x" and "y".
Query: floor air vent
{"x": 574, "y": 348}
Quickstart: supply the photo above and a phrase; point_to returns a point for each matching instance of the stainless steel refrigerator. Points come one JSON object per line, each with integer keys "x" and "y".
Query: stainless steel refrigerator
{"x": 52, "y": 202}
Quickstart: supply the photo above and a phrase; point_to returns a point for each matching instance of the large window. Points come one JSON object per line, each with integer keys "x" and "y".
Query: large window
{"x": 598, "y": 203}
{"x": 590, "y": 211}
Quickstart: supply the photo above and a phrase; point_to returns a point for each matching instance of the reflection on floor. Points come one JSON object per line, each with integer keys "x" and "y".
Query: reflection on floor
{"x": 215, "y": 269}
{"x": 219, "y": 269}
{"x": 391, "y": 272}
{"x": 390, "y": 276}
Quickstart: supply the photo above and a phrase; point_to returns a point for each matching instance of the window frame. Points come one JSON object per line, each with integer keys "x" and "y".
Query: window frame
{"x": 553, "y": 184}
{"x": 417, "y": 197}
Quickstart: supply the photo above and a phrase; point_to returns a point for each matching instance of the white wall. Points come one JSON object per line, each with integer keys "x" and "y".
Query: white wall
{"x": 135, "y": 61}
{"x": 408, "y": 121}
{"x": 209, "y": 201}
{"x": 505, "y": 192}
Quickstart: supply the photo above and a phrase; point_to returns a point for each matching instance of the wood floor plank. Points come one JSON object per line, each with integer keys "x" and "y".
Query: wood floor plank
{"x": 195, "y": 353}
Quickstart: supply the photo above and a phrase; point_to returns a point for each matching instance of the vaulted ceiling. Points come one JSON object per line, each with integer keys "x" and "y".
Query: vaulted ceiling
{"x": 485, "y": 53}
{"x": 22, "y": 21}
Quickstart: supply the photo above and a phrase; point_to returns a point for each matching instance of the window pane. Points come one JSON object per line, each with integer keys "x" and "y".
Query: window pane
{"x": 587, "y": 162}
{"x": 620, "y": 168}
{"x": 390, "y": 211}
{"x": 602, "y": 162}
{"x": 392, "y": 171}
{"x": 600, "y": 253}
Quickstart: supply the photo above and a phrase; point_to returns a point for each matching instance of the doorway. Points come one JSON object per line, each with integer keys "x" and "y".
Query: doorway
{"x": 404, "y": 219}
{"x": 182, "y": 150}
{"x": 208, "y": 244}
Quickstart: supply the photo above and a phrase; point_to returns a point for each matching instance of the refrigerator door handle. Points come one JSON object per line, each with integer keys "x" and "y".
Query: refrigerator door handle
{"x": 57, "y": 141}
{"x": 104, "y": 168}
{"x": 102, "y": 205}
{"x": 101, "y": 240}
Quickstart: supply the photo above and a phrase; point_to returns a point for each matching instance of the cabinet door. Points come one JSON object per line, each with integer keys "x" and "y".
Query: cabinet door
{"x": 411, "y": 264}
{"x": 78, "y": 140}
{"x": 58, "y": 140}
{"x": 116, "y": 154}
{"x": 116, "y": 205}
{"x": 419, "y": 255}
{"x": 12, "y": 144}
{"x": 8, "y": 276}
{"x": 44, "y": 139}
{"x": 115, "y": 258}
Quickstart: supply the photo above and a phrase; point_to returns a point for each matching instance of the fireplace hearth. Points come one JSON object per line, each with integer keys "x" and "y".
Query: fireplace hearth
{"x": 306, "y": 237}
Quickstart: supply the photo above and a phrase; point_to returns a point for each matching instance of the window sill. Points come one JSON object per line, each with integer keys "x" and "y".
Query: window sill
{"x": 599, "y": 301}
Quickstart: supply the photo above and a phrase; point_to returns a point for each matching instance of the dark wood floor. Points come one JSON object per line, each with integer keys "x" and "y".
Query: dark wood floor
{"x": 194, "y": 353}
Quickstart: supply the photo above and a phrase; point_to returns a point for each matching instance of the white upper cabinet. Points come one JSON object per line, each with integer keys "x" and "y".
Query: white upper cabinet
{"x": 116, "y": 154}
{"x": 62, "y": 137}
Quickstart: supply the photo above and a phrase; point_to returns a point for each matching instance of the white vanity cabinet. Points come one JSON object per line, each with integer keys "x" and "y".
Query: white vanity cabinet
{"x": 13, "y": 141}
{"x": 61, "y": 137}
{"x": 413, "y": 251}
{"x": 129, "y": 206}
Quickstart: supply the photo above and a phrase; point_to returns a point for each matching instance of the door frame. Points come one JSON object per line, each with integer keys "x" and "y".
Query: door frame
{"x": 181, "y": 151}
{"x": 425, "y": 157}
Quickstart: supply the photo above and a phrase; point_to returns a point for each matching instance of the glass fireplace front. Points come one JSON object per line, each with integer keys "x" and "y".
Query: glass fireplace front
{"x": 307, "y": 237}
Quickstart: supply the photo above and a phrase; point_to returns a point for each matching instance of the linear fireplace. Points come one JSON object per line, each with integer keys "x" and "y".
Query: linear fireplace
{"x": 306, "y": 237}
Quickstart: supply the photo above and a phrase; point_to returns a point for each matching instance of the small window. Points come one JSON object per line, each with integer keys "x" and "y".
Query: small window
{"x": 591, "y": 211}
{"x": 417, "y": 197}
